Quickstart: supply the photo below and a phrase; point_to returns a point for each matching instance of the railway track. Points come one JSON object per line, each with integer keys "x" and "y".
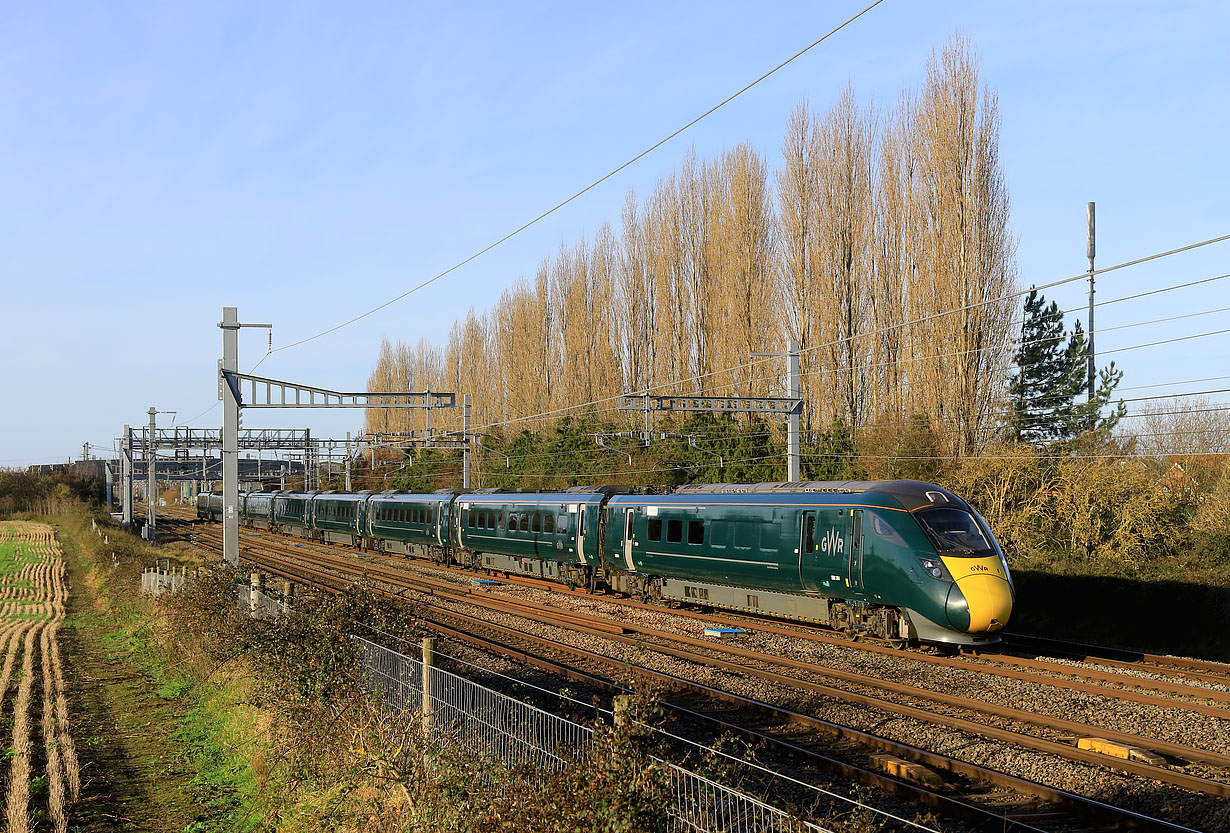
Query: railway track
{"x": 775, "y": 672}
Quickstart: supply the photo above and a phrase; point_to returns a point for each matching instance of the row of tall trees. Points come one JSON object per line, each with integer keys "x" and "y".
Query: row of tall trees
{"x": 880, "y": 244}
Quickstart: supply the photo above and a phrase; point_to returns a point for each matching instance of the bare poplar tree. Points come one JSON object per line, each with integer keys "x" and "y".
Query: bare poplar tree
{"x": 844, "y": 265}
{"x": 743, "y": 294}
{"x": 965, "y": 251}
{"x": 636, "y": 302}
{"x": 893, "y": 272}
{"x": 797, "y": 243}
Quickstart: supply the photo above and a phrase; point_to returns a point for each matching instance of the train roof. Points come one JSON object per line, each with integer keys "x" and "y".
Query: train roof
{"x": 911, "y": 494}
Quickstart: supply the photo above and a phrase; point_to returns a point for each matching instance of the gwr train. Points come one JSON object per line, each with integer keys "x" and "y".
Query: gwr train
{"x": 898, "y": 560}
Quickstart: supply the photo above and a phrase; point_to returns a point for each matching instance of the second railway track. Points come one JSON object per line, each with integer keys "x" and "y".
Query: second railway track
{"x": 805, "y": 679}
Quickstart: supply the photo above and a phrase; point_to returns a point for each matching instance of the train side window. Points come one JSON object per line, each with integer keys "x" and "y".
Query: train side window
{"x": 548, "y": 523}
{"x": 885, "y": 530}
{"x": 769, "y": 537}
{"x": 514, "y": 523}
{"x": 696, "y": 532}
{"x": 809, "y": 534}
{"x": 525, "y": 522}
{"x": 654, "y": 532}
{"x": 535, "y": 522}
{"x": 490, "y": 520}
{"x": 745, "y": 535}
{"x": 500, "y": 521}
{"x": 719, "y": 533}
{"x": 674, "y": 531}
{"x": 561, "y": 526}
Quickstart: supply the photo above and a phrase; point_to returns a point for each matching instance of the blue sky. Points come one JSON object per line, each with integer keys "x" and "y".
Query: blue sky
{"x": 307, "y": 161}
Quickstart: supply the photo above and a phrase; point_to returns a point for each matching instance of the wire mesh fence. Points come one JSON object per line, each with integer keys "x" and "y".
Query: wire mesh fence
{"x": 500, "y": 728}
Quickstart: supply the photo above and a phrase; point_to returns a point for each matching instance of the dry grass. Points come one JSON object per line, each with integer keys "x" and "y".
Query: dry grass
{"x": 33, "y": 589}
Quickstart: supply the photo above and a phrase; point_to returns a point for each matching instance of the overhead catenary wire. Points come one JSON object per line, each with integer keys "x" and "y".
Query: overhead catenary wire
{"x": 880, "y": 331}
{"x": 587, "y": 188}
{"x": 764, "y": 360}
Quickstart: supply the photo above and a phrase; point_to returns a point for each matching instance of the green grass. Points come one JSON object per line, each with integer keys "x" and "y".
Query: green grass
{"x": 14, "y": 556}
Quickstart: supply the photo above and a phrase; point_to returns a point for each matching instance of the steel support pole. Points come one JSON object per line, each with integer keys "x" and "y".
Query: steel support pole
{"x": 230, "y": 437}
{"x": 348, "y": 461}
{"x": 465, "y": 438}
{"x": 793, "y": 455}
{"x": 126, "y": 478}
{"x": 1090, "y": 251}
{"x": 151, "y": 478}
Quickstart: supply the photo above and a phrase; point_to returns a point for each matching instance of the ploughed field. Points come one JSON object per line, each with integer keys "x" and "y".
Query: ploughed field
{"x": 40, "y": 775}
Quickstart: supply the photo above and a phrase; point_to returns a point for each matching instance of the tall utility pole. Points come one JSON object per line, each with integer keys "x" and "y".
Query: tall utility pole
{"x": 230, "y": 437}
{"x": 465, "y": 439}
{"x": 348, "y": 461}
{"x": 1090, "y": 250}
{"x": 151, "y": 491}
{"x": 230, "y": 432}
{"x": 126, "y": 478}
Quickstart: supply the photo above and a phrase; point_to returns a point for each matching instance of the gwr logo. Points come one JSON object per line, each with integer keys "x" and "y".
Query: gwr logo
{"x": 832, "y": 543}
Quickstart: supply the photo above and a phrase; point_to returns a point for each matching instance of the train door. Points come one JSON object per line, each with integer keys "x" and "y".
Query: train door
{"x": 439, "y": 521}
{"x": 581, "y": 533}
{"x": 809, "y": 553}
{"x": 630, "y": 539}
{"x": 824, "y": 550}
{"x": 856, "y": 550}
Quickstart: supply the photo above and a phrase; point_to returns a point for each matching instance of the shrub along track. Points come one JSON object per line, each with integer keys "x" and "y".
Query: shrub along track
{"x": 779, "y": 672}
{"x": 33, "y": 588}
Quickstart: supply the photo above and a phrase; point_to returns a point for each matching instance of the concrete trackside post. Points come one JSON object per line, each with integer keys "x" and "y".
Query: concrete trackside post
{"x": 429, "y": 664}
{"x": 258, "y": 587}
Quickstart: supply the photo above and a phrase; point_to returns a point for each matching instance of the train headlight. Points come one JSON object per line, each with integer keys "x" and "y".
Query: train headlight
{"x": 935, "y": 568}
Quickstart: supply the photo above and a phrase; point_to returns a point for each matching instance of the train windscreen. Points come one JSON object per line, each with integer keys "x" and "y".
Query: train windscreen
{"x": 954, "y": 532}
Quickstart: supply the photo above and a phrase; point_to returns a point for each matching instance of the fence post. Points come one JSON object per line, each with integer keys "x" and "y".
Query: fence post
{"x": 429, "y": 662}
{"x": 258, "y": 587}
{"x": 288, "y": 592}
{"x": 621, "y": 706}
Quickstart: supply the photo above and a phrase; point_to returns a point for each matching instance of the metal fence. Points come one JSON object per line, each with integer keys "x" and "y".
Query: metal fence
{"x": 497, "y": 727}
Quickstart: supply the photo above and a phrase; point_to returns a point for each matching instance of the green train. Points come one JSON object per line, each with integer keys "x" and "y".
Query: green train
{"x": 898, "y": 560}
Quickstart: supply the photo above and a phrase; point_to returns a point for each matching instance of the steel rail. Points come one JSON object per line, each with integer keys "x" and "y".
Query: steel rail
{"x": 1207, "y": 670}
{"x": 1128, "y": 819}
{"x": 1193, "y": 783}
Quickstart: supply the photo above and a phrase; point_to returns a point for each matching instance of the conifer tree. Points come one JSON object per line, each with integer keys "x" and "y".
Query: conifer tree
{"x": 1041, "y": 388}
{"x": 1052, "y": 367}
{"x": 1085, "y": 418}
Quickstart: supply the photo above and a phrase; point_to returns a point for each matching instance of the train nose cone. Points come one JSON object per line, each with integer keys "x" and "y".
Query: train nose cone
{"x": 979, "y": 604}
